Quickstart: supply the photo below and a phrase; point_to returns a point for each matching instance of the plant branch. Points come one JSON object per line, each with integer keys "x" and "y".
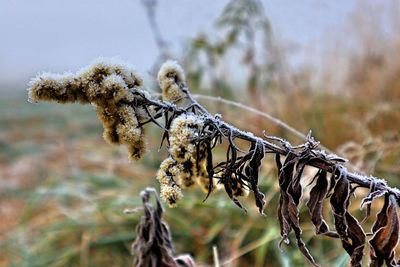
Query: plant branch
{"x": 192, "y": 133}
{"x": 320, "y": 160}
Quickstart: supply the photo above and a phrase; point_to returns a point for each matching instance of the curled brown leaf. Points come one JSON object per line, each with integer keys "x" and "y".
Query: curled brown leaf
{"x": 252, "y": 172}
{"x": 348, "y": 228}
{"x": 290, "y": 189}
{"x": 385, "y": 234}
{"x": 315, "y": 204}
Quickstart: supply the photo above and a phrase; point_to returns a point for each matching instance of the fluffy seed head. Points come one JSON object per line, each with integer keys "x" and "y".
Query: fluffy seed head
{"x": 103, "y": 80}
{"x": 63, "y": 88}
{"x": 108, "y": 117}
{"x": 172, "y": 172}
{"x": 163, "y": 174}
{"x": 111, "y": 89}
{"x": 127, "y": 116}
{"x": 110, "y": 135}
{"x": 128, "y": 135}
{"x": 203, "y": 183}
{"x": 100, "y": 68}
{"x": 171, "y": 194}
{"x": 171, "y": 78}
{"x": 182, "y": 132}
{"x": 109, "y": 85}
{"x": 137, "y": 148}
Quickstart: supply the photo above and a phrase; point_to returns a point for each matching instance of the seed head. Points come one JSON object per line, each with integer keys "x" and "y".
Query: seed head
{"x": 171, "y": 79}
{"x": 171, "y": 194}
{"x": 184, "y": 129}
{"x": 101, "y": 68}
{"x": 111, "y": 89}
{"x": 65, "y": 88}
{"x": 109, "y": 85}
{"x": 137, "y": 149}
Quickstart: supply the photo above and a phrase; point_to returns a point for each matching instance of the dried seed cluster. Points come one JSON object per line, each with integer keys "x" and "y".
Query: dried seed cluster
{"x": 171, "y": 79}
{"x": 187, "y": 163}
{"x": 170, "y": 191}
{"x": 108, "y": 85}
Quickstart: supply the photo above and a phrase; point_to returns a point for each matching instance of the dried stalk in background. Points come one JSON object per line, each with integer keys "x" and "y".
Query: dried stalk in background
{"x": 153, "y": 245}
{"x": 191, "y": 133}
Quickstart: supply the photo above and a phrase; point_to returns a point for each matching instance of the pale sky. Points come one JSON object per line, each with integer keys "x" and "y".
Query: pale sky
{"x": 58, "y": 35}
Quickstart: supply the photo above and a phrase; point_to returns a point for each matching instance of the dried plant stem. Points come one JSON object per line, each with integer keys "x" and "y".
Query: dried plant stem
{"x": 322, "y": 160}
{"x": 255, "y": 111}
{"x": 271, "y": 118}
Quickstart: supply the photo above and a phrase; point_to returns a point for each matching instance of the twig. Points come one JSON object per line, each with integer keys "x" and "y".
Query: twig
{"x": 258, "y": 112}
{"x": 271, "y": 118}
{"x": 317, "y": 162}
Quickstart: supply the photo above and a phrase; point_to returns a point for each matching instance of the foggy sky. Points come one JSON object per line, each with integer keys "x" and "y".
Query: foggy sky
{"x": 55, "y": 35}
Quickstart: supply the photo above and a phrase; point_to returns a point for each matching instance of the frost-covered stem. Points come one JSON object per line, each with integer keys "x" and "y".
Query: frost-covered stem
{"x": 269, "y": 117}
{"x": 282, "y": 149}
{"x": 189, "y": 96}
{"x": 256, "y": 111}
{"x": 356, "y": 178}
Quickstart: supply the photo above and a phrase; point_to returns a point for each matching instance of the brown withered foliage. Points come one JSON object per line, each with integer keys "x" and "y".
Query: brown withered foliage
{"x": 386, "y": 234}
{"x": 315, "y": 203}
{"x": 191, "y": 133}
{"x": 348, "y": 228}
{"x": 153, "y": 245}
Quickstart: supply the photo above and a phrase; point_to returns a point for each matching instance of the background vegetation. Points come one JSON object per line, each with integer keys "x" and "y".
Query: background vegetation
{"x": 63, "y": 189}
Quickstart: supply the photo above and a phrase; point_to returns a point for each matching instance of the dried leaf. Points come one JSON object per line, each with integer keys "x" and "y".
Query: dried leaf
{"x": 210, "y": 169}
{"x": 357, "y": 238}
{"x": 283, "y": 216}
{"x": 348, "y": 228}
{"x": 252, "y": 172}
{"x": 294, "y": 189}
{"x": 227, "y": 181}
{"x": 386, "y": 234}
{"x": 290, "y": 195}
{"x": 315, "y": 204}
{"x": 341, "y": 193}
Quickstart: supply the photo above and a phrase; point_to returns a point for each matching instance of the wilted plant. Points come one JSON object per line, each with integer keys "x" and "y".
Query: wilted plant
{"x": 153, "y": 245}
{"x": 191, "y": 134}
